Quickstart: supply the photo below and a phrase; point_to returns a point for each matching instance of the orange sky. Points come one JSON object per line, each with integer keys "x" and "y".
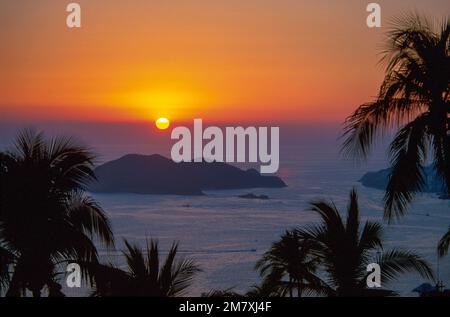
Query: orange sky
{"x": 284, "y": 60}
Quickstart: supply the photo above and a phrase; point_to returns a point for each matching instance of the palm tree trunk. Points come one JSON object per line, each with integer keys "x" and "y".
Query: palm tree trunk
{"x": 290, "y": 287}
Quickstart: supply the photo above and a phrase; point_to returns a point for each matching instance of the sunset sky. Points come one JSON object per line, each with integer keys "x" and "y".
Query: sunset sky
{"x": 287, "y": 60}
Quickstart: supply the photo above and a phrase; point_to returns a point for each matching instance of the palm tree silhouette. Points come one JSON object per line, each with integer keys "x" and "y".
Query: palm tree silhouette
{"x": 46, "y": 219}
{"x": 415, "y": 97}
{"x": 289, "y": 265}
{"x": 144, "y": 276}
{"x": 344, "y": 250}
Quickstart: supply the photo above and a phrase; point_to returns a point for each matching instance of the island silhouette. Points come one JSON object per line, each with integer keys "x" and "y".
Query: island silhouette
{"x": 432, "y": 182}
{"x": 156, "y": 174}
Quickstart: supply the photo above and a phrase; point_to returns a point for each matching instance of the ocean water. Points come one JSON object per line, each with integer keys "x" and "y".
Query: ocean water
{"x": 226, "y": 235}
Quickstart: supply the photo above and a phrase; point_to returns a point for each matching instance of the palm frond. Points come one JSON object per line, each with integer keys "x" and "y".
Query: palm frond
{"x": 329, "y": 214}
{"x": 444, "y": 243}
{"x": 30, "y": 144}
{"x": 74, "y": 162}
{"x": 396, "y": 262}
{"x": 135, "y": 260}
{"x": 183, "y": 275}
{"x": 153, "y": 261}
{"x": 166, "y": 274}
{"x": 352, "y": 224}
{"x": 409, "y": 152}
{"x": 85, "y": 213}
{"x": 373, "y": 119}
{"x": 371, "y": 236}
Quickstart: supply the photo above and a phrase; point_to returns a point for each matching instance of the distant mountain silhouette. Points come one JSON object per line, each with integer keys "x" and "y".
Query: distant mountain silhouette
{"x": 156, "y": 174}
{"x": 379, "y": 180}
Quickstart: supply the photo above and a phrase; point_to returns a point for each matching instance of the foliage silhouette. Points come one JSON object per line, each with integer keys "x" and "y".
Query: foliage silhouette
{"x": 46, "y": 219}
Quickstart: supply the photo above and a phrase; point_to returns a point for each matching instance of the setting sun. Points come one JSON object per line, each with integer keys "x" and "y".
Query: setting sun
{"x": 162, "y": 123}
